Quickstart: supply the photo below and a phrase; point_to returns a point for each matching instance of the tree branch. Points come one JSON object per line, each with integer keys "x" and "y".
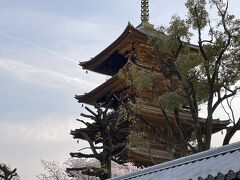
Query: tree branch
{"x": 120, "y": 161}
{"x": 178, "y": 49}
{"x": 89, "y": 110}
{"x": 169, "y": 130}
{"x": 200, "y": 38}
{"x": 180, "y": 129}
{"x": 224, "y": 49}
{"x": 82, "y": 155}
{"x": 226, "y": 112}
{"x": 230, "y": 107}
{"x": 96, "y": 147}
{"x": 222, "y": 99}
{"x": 230, "y": 132}
{"x": 85, "y": 123}
{"x": 89, "y": 116}
{"x": 85, "y": 136}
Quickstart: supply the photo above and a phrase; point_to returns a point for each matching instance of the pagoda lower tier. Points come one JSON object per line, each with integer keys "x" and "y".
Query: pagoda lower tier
{"x": 146, "y": 142}
{"x": 149, "y": 124}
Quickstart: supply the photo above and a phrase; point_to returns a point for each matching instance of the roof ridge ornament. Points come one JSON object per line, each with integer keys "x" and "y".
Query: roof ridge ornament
{"x": 144, "y": 10}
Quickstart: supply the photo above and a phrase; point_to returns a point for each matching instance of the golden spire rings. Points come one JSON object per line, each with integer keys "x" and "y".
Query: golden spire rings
{"x": 144, "y": 10}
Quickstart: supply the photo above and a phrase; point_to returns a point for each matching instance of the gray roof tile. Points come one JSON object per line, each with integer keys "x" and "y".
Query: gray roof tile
{"x": 219, "y": 163}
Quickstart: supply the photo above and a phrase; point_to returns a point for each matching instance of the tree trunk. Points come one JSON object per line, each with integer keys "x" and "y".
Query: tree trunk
{"x": 208, "y": 128}
{"x": 107, "y": 154}
{"x": 231, "y": 132}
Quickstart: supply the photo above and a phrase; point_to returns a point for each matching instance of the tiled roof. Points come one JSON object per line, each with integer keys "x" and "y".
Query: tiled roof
{"x": 218, "y": 163}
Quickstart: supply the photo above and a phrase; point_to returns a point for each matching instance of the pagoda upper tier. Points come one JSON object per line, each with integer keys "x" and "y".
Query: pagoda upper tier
{"x": 113, "y": 58}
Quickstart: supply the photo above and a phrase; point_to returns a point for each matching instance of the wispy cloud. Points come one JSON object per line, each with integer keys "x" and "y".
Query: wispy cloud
{"x": 37, "y": 46}
{"x": 43, "y": 77}
{"x": 45, "y": 130}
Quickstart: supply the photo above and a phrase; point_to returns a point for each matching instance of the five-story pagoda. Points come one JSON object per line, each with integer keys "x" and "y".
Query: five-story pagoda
{"x": 148, "y": 141}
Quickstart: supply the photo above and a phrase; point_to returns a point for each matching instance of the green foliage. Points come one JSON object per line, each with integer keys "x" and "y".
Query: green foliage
{"x": 120, "y": 74}
{"x": 161, "y": 41}
{"x": 178, "y": 32}
{"x": 197, "y": 14}
{"x": 220, "y": 54}
{"x": 172, "y": 100}
{"x": 169, "y": 39}
{"x": 138, "y": 140}
{"x": 190, "y": 67}
{"x": 137, "y": 78}
{"x": 209, "y": 69}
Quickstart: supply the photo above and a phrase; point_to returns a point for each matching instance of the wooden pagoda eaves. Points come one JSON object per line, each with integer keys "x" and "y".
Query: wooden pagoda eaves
{"x": 98, "y": 94}
{"x": 114, "y": 85}
{"x": 111, "y": 59}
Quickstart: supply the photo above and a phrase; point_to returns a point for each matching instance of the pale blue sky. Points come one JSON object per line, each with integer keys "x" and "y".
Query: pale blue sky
{"x": 41, "y": 43}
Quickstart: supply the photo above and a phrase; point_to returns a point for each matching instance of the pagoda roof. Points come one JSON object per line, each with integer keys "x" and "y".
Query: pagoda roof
{"x": 218, "y": 163}
{"x": 105, "y": 60}
{"x": 115, "y": 85}
{"x": 107, "y": 88}
{"x": 154, "y": 113}
{"x": 113, "y": 58}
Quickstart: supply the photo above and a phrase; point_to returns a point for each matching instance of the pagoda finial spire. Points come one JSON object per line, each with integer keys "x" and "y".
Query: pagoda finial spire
{"x": 144, "y": 10}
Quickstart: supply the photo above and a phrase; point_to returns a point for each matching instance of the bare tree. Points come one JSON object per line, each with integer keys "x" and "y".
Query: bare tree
{"x": 106, "y": 132}
{"x": 7, "y": 174}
